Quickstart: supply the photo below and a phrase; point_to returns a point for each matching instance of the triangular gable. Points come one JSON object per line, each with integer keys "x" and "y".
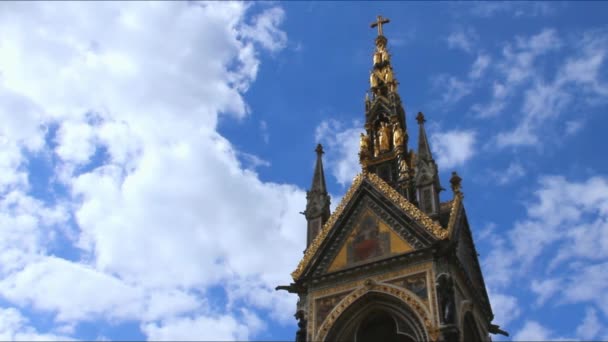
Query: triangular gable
{"x": 370, "y": 239}
{"x": 431, "y": 227}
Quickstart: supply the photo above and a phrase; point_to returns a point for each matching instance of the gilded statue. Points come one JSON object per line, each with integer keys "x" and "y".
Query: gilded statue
{"x": 373, "y": 80}
{"x": 403, "y": 169}
{"x": 377, "y": 58}
{"x": 377, "y": 146}
{"x": 385, "y": 56}
{"x": 384, "y": 133}
{"x": 388, "y": 75}
{"x": 364, "y": 144}
{"x": 397, "y": 135}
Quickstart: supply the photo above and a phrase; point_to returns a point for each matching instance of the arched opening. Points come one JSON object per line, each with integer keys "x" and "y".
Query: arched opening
{"x": 377, "y": 317}
{"x": 469, "y": 329}
{"x": 380, "y": 326}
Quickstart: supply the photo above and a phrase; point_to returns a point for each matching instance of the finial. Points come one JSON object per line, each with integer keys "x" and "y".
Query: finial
{"x": 319, "y": 149}
{"x": 420, "y": 118}
{"x": 379, "y": 22}
{"x": 455, "y": 181}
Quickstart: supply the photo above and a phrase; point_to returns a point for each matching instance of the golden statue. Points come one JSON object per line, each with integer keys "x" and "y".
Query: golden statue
{"x": 377, "y": 58}
{"x": 376, "y": 147}
{"x": 385, "y": 56}
{"x": 403, "y": 169}
{"x": 397, "y": 135}
{"x": 373, "y": 81}
{"x": 364, "y": 144}
{"x": 384, "y": 134}
{"x": 388, "y": 75}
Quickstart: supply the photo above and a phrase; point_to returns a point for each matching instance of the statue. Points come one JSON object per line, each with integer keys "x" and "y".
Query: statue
{"x": 397, "y": 135}
{"x": 388, "y": 75}
{"x": 385, "y": 56}
{"x": 377, "y": 58}
{"x": 373, "y": 81}
{"x": 384, "y": 133}
{"x": 377, "y": 146}
{"x": 301, "y": 333}
{"x": 364, "y": 144}
{"x": 446, "y": 298}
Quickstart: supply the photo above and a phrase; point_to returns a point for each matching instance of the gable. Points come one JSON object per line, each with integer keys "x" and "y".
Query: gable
{"x": 370, "y": 239}
{"x": 406, "y": 220}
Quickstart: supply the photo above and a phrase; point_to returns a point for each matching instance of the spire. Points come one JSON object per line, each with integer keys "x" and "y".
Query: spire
{"x": 424, "y": 151}
{"x": 384, "y": 144}
{"x": 318, "y": 179}
{"x": 317, "y": 200}
{"x": 427, "y": 175}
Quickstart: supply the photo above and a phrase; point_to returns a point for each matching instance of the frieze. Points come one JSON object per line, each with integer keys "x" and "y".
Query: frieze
{"x": 416, "y": 283}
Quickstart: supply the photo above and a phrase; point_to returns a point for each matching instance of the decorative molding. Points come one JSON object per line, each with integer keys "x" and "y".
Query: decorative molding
{"x": 371, "y": 286}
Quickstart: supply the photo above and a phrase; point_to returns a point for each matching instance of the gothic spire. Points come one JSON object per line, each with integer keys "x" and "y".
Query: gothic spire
{"x": 427, "y": 175}
{"x": 318, "y": 179}
{"x": 424, "y": 151}
{"x": 317, "y": 200}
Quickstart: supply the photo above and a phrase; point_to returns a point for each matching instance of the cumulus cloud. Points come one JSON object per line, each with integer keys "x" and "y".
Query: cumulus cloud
{"x": 168, "y": 211}
{"x": 453, "y": 148}
{"x": 570, "y": 217}
{"x": 341, "y": 143}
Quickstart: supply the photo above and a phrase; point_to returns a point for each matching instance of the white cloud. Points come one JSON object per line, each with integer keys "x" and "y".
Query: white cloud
{"x": 545, "y": 100}
{"x": 222, "y": 328}
{"x": 341, "y": 143}
{"x": 590, "y": 327}
{"x": 15, "y": 327}
{"x": 479, "y": 66}
{"x": 562, "y": 240}
{"x": 533, "y": 331}
{"x": 453, "y": 148}
{"x": 464, "y": 39}
{"x": 171, "y": 211}
{"x": 506, "y": 308}
{"x": 573, "y": 126}
{"x": 514, "y": 171}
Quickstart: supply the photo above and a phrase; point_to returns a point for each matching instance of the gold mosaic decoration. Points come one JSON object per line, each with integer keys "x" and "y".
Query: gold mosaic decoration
{"x": 314, "y": 245}
{"x": 371, "y": 286}
{"x": 431, "y": 226}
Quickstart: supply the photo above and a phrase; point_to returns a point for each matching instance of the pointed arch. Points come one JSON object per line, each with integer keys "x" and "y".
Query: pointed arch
{"x": 364, "y": 305}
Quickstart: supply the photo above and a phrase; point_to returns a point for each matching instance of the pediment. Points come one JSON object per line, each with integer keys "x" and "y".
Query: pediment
{"x": 401, "y": 226}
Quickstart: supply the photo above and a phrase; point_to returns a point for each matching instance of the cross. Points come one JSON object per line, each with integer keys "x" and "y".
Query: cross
{"x": 379, "y": 21}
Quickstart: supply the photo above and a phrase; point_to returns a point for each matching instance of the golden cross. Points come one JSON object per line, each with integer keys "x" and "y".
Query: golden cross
{"x": 379, "y": 21}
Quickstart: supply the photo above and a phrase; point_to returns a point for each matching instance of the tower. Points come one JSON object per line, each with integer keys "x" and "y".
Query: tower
{"x": 392, "y": 262}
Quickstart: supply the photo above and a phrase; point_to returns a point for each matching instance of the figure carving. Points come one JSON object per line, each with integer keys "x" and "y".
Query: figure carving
{"x": 373, "y": 80}
{"x": 301, "y": 333}
{"x": 403, "y": 169}
{"x": 364, "y": 144}
{"x": 377, "y": 146}
{"x": 397, "y": 135}
{"x": 377, "y": 58}
{"x": 388, "y": 75}
{"x": 384, "y": 133}
{"x": 445, "y": 291}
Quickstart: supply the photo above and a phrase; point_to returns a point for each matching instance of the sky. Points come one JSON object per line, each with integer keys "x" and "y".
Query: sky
{"x": 155, "y": 156}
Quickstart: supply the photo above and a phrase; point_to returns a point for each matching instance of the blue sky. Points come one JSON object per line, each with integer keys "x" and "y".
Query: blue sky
{"x": 154, "y": 157}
